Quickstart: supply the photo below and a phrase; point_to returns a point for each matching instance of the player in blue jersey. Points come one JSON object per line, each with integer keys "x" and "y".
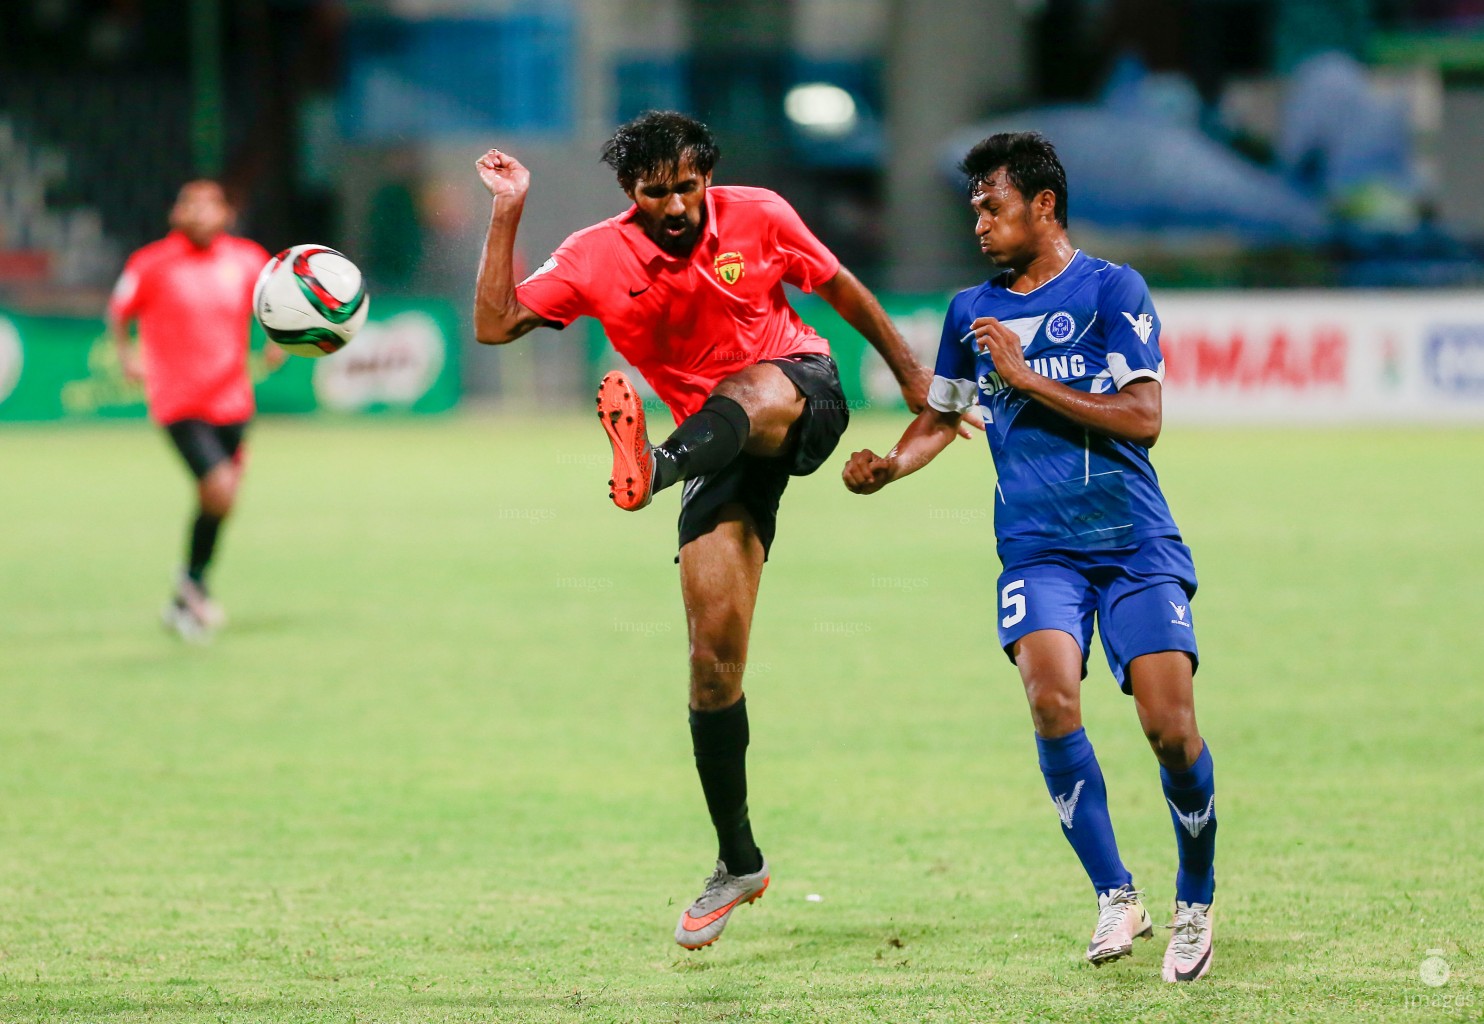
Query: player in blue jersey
{"x": 1060, "y": 353}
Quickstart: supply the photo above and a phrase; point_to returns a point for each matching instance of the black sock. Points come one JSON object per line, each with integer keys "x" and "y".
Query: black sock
{"x": 719, "y": 739}
{"x": 203, "y": 543}
{"x": 709, "y": 438}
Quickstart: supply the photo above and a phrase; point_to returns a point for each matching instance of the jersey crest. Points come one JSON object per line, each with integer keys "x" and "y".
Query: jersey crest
{"x": 1060, "y": 326}
{"x": 729, "y": 267}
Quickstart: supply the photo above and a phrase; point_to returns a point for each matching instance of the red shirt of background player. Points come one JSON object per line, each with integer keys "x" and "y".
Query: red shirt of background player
{"x": 193, "y": 306}
{"x": 687, "y": 322}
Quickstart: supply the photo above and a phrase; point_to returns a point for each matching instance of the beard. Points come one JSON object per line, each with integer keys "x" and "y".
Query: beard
{"x": 679, "y": 244}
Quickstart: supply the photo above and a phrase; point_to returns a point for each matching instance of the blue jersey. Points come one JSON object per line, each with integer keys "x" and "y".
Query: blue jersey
{"x": 1061, "y": 487}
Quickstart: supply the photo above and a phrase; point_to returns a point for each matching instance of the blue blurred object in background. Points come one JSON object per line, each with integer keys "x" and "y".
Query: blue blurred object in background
{"x": 1134, "y": 168}
{"x": 1342, "y": 139}
{"x": 446, "y": 76}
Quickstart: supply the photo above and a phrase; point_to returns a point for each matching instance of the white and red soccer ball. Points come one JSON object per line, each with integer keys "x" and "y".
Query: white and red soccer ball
{"x": 311, "y": 300}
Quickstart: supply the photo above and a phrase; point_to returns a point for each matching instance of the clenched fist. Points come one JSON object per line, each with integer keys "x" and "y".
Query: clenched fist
{"x": 502, "y": 174}
{"x": 866, "y": 472}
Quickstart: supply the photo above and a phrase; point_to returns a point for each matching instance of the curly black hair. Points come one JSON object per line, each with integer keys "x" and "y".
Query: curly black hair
{"x": 656, "y": 142}
{"x": 1029, "y": 160}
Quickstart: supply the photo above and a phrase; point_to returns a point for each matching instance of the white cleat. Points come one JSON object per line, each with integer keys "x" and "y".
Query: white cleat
{"x": 1189, "y": 955}
{"x": 178, "y": 619}
{"x": 703, "y": 920}
{"x": 1121, "y": 919}
{"x": 207, "y": 612}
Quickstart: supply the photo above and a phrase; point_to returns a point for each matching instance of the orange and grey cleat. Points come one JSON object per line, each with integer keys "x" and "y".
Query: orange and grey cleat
{"x": 621, "y": 411}
{"x": 703, "y": 920}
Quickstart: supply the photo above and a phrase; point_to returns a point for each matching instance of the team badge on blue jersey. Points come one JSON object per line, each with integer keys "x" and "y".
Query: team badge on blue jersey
{"x": 1060, "y": 326}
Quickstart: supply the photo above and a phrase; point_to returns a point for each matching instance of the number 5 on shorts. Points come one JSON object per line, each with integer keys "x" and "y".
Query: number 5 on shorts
{"x": 1013, "y": 603}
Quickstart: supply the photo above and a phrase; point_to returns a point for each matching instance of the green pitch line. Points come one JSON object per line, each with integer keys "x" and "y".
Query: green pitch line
{"x": 407, "y": 783}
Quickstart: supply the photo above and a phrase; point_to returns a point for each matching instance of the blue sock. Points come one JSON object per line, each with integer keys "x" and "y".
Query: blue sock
{"x": 1075, "y": 783}
{"x": 1192, "y": 799}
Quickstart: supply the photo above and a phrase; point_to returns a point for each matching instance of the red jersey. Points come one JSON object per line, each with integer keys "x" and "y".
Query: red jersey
{"x": 193, "y": 307}
{"x": 687, "y": 322}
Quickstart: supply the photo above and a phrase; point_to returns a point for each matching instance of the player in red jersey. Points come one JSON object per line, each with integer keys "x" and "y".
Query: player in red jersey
{"x": 191, "y": 294}
{"x": 688, "y": 285}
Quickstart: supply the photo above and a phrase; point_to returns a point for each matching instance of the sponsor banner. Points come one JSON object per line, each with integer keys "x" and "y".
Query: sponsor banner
{"x": 1323, "y": 356}
{"x": 403, "y": 360}
{"x": 1275, "y": 357}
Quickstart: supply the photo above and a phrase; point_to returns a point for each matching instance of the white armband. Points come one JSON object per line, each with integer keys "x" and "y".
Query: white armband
{"x": 952, "y": 395}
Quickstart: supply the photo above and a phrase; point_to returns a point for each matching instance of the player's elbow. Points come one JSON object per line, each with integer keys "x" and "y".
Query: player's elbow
{"x": 494, "y": 330}
{"x": 1149, "y": 430}
{"x": 1144, "y": 412}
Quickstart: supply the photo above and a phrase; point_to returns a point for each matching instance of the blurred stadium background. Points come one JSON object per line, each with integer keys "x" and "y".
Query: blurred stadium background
{"x": 1218, "y": 145}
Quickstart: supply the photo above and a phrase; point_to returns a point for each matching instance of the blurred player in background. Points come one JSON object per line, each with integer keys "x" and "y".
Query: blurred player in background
{"x": 191, "y": 294}
{"x": 1061, "y": 351}
{"x": 688, "y": 285}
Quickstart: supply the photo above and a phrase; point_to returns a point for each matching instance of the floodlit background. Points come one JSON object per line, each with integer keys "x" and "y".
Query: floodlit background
{"x": 1219, "y": 145}
{"x": 436, "y": 768}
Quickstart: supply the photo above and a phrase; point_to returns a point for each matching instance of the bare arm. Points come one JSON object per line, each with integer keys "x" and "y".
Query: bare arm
{"x": 925, "y": 437}
{"x": 498, "y": 315}
{"x": 1131, "y": 414}
{"x": 860, "y": 309}
{"x": 128, "y": 354}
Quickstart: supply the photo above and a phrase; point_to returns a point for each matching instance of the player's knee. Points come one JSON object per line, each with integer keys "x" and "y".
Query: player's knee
{"x": 713, "y": 691}
{"x": 1175, "y": 741}
{"x": 764, "y": 392}
{"x": 1054, "y": 710}
{"x": 715, "y": 675}
{"x": 218, "y": 492}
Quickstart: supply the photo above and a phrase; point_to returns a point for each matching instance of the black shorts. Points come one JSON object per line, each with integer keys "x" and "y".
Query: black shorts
{"x": 757, "y": 483}
{"x": 204, "y": 446}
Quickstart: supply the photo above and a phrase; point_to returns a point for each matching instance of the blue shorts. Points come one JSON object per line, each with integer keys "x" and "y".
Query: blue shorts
{"x": 1140, "y": 596}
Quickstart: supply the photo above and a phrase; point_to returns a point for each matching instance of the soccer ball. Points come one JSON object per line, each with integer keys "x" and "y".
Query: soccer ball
{"x": 310, "y": 300}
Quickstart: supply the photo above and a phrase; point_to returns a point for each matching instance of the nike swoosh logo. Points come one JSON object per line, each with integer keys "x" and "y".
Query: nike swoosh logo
{"x": 695, "y": 924}
{"x": 634, "y": 295}
{"x": 1195, "y": 971}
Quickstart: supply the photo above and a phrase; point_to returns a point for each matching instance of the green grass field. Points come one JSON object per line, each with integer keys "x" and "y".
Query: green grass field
{"x": 438, "y": 767}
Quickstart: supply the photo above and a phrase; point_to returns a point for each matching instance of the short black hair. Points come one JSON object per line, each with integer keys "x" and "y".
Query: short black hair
{"x": 656, "y": 142}
{"x": 1029, "y": 160}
